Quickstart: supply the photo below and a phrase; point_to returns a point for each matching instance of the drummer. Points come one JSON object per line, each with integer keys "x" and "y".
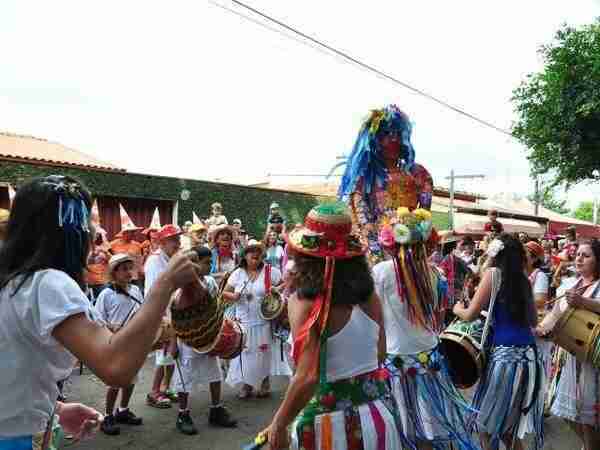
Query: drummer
{"x": 508, "y": 398}
{"x": 116, "y": 305}
{"x": 578, "y": 390}
{"x": 195, "y": 369}
{"x": 247, "y": 287}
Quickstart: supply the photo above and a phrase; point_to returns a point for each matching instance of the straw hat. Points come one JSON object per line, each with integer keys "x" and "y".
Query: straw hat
{"x": 536, "y": 249}
{"x": 117, "y": 260}
{"x": 168, "y": 231}
{"x": 326, "y": 233}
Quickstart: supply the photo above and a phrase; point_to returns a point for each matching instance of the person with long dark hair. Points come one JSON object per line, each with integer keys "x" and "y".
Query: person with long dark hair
{"x": 46, "y": 320}
{"x": 339, "y": 396}
{"x": 578, "y": 383}
{"x": 508, "y": 398}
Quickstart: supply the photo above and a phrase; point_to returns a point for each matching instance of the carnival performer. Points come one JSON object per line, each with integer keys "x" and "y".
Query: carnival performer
{"x": 275, "y": 221}
{"x": 578, "y": 383}
{"x": 247, "y": 287}
{"x": 96, "y": 271}
{"x": 116, "y": 305}
{"x": 381, "y": 175}
{"x": 125, "y": 243}
{"x": 274, "y": 252}
{"x": 216, "y": 218}
{"x": 339, "y": 397}
{"x": 508, "y": 398}
{"x": 198, "y": 235}
{"x": 224, "y": 259}
{"x": 433, "y": 414}
{"x": 151, "y": 244}
{"x": 195, "y": 370}
{"x": 156, "y": 264}
{"x": 46, "y": 320}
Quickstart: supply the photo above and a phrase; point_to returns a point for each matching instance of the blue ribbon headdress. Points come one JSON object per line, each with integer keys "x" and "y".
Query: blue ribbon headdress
{"x": 366, "y": 162}
{"x": 73, "y": 218}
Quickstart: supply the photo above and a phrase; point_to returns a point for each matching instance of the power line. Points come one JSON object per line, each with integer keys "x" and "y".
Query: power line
{"x": 351, "y": 59}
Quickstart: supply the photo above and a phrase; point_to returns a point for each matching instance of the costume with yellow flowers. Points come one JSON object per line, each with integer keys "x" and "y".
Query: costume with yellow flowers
{"x": 381, "y": 175}
{"x": 390, "y": 197}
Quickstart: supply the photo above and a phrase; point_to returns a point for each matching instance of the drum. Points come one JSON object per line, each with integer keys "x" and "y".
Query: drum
{"x": 577, "y": 332}
{"x": 461, "y": 344}
{"x": 197, "y": 325}
{"x": 229, "y": 343}
{"x": 165, "y": 333}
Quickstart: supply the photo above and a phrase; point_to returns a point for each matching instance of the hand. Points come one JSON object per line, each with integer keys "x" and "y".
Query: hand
{"x": 458, "y": 308}
{"x": 277, "y": 437}
{"x": 79, "y": 420}
{"x": 541, "y": 332}
{"x": 574, "y": 299}
{"x": 181, "y": 271}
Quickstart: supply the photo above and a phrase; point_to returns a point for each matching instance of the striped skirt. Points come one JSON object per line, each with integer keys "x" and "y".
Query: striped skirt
{"x": 354, "y": 414}
{"x": 509, "y": 397}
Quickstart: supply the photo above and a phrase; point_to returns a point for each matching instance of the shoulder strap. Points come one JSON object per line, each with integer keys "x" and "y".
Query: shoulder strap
{"x": 496, "y": 282}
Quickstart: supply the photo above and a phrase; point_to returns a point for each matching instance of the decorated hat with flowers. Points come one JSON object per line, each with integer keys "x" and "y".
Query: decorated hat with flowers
{"x": 327, "y": 232}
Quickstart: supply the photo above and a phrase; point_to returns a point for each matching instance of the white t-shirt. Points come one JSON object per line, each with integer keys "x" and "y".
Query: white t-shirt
{"x": 247, "y": 308}
{"x": 31, "y": 360}
{"x": 155, "y": 265}
{"x": 115, "y": 307}
{"x": 402, "y": 336}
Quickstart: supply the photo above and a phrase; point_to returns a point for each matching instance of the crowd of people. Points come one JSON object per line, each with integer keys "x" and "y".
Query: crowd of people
{"x": 371, "y": 292}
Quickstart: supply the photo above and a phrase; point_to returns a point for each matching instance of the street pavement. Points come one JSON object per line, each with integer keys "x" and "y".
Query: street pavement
{"x": 159, "y": 432}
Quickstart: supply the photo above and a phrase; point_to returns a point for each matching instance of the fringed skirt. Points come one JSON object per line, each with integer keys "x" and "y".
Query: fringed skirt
{"x": 509, "y": 398}
{"x": 430, "y": 407}
{"x": 577, "y": 396}
{"x": 354, "y": 414}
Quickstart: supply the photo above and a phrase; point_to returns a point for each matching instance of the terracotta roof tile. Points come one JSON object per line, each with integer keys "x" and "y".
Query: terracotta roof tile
{"x": 32, "y": 149}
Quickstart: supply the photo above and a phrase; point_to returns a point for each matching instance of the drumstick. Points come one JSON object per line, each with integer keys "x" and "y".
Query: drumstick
{"x": 579, "y": 290}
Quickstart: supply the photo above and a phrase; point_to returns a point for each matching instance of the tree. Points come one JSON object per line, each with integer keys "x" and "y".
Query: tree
{"x": 585, "y": 211}
{"x": 549, "y": 200}
{"x": 559, "y": 108}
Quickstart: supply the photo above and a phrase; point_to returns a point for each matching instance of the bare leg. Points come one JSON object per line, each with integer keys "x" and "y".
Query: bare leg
{"x": 182, "y": 398}
{"x": 168, "y": 376}
{"x": 126, "y": 396}
{"x": 591, "y": 438}
{"x": 215, "y": 393}
{"x": 511, "y": 444}
{"x": 111, "y": 399}
{"x": 485, "y": 440}
{"x": 158, "y": 377}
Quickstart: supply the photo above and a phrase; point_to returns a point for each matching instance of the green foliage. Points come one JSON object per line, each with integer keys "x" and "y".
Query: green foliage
{"x": 248, "y": 203}
{"x": 559, "y": 108}
{"x": 585, "y": 211}
{"x": 548, "y": 199}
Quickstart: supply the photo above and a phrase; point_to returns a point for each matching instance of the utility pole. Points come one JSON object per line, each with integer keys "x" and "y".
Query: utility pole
{"x": 537, "y": 197}
{"x": 453, "y": 177}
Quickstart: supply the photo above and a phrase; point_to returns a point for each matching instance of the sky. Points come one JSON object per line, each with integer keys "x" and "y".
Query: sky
{"x": 188, "y": 89}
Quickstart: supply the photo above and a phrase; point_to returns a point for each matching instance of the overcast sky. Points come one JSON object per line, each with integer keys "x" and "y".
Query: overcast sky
{"x": 185, "y": 88}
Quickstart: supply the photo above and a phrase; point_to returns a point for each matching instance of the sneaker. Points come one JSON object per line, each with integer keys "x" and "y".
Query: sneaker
{"x": 109, "y": 426}
{"x": 126, "y": 417}
{"x": 185, "y": 424}
{"x": 220, "y": 417}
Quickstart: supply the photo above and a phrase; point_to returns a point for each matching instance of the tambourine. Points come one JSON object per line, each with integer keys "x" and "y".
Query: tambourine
{"x": 271, "y": 306}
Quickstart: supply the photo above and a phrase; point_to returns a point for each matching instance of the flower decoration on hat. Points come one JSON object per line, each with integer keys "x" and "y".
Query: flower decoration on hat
{"x": 495, "y": 247}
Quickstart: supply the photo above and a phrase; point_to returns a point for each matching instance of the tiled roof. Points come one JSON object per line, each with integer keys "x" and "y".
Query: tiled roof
{"x": 33, "y": 149}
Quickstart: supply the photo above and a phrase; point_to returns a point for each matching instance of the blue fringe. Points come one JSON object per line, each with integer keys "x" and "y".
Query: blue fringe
{"x": 432, "y": 384}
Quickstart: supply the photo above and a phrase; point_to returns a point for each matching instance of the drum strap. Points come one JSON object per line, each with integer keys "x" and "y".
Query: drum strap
{"x": 496, "y": 281}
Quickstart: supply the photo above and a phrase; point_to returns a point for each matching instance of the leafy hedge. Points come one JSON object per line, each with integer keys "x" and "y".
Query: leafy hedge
{"x": 250, "y": 204}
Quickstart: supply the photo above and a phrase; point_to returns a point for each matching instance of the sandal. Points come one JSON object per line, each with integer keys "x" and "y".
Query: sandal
{"x": 172, "y": 396}
{"x": 158, "y": 400}
{"x": 263, "y": 394}
{"x": 244, "y": 394}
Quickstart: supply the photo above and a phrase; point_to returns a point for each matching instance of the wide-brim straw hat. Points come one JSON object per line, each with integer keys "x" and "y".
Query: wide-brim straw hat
{"x": 327, "y": 232}
{"x": 168, "y": 231}
{"x": 118, "y": 259}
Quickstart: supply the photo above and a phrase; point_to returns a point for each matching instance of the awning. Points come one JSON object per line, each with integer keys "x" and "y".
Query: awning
{"x": 465, "y": 223}
{"x": 583, "y": 230}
